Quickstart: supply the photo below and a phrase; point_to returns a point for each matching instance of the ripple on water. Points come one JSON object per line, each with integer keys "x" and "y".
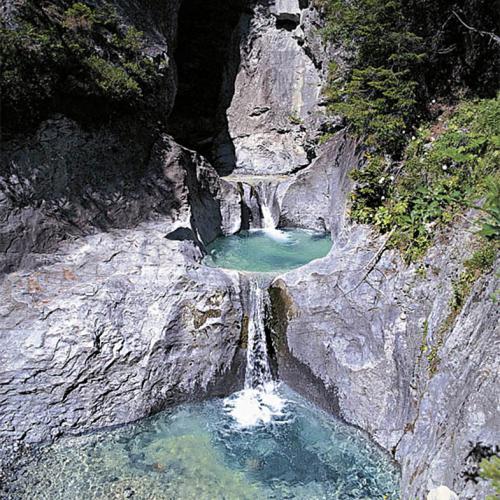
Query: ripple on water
{"x": 283, "y": 447}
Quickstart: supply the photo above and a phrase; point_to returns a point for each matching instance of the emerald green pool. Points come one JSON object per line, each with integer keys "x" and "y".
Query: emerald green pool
{"x": 268, "y": 250}
{"x": 211, "y": 451}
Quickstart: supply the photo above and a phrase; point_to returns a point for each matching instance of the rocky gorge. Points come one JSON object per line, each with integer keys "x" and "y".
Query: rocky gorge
{"x": 108, "y": 314}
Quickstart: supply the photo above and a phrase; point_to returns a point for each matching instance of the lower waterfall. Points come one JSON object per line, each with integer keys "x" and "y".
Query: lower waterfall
{"x": 258, "y": 371}
{"x": 259, "y": 401}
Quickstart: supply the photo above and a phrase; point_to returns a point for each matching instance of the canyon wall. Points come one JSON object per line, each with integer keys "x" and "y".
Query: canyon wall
{"x": 107, "y": 316}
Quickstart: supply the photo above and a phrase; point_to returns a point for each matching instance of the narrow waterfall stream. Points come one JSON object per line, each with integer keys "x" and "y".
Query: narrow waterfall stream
{"x": 259, "y": 401}
{"x": 267, "y": 198}
{"x": 258, "y": 371}
{"x": 269, "y": 209}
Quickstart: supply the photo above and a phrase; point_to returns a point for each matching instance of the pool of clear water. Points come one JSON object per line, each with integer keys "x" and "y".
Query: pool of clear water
{"x": 267, "y": 250}
{"x": 204, "y": 451}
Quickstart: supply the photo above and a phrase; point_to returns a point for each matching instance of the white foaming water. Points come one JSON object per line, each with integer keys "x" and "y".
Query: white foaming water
{"x": 258, "y": 403}
{"x": 268, "y": 223}
{"x": 251, "y": 407}
{"x": 267, "y": 218}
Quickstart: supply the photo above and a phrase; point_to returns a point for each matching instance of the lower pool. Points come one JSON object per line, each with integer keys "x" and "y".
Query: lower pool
{"x": 207, "y": 451}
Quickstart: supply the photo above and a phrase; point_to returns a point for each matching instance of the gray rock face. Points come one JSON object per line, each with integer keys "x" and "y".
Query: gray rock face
{"x": 315, "y": 198}
{"x": 286, "y": 10}
{"x": 119, "y": 325}
{"x": 276, "y": 108}
{"x": 372, "y": 331}
{"x": 65, "y": 182}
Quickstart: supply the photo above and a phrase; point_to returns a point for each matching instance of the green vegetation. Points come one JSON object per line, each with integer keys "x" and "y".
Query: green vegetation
{"x": 377, "y": 95}
{"x": 295, "y": 119}
{"x": 63, "y": 59}
{"x": 482, "y": 260}
{"x": 490, "y": 470}
{"x": 490, "y": 223}
{"x": 426, "y": 159}
{"x": 446, "y": 168}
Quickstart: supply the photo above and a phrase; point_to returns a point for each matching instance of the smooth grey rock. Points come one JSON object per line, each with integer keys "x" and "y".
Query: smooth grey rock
{"x": 315, "y": 197}
{"x": 231, "y": 208}
{"x": 442, "y": 493}
{"x": 275, "y": 111}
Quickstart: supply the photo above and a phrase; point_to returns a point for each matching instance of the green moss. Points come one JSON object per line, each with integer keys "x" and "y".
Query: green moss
{"x": 295, "y": 119}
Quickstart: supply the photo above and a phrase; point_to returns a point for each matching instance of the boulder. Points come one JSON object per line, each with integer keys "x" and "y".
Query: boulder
{"x": 119, "y": 325}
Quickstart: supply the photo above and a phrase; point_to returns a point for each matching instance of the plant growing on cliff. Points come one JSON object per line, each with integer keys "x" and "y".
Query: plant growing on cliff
{"x": 76, "y": 59}
{"x": 490, "y": 470}
{"x": 490, "y": 222}
{"x": 377, "y": 94}
{"x": 415, "y": 180}
{"x": 447, "y": 167}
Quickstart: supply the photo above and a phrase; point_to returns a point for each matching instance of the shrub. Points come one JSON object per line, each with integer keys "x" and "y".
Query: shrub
{"x": 58, "y": 58}
{"x": 490, "y": 470}
{"x": 490, "y": 224}
{"x": 444, "y": 171}
{"x": 483, "y": 258}
{"x": 79, "y": 17}
{"x": 378, "y": 103}
{"x": 112, "y": 80}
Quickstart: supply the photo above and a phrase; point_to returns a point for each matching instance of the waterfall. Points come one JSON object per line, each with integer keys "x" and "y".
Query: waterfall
{"x": 268, "y": 204}
{"x": 258, "y": 403}
{"x": 258, "y": 372}
{"x": 267, "y": 218}
{"x": 269, "y": 208}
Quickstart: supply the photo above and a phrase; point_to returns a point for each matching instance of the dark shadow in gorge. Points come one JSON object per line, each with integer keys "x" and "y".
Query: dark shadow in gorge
{"x": 205, "y": 56}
